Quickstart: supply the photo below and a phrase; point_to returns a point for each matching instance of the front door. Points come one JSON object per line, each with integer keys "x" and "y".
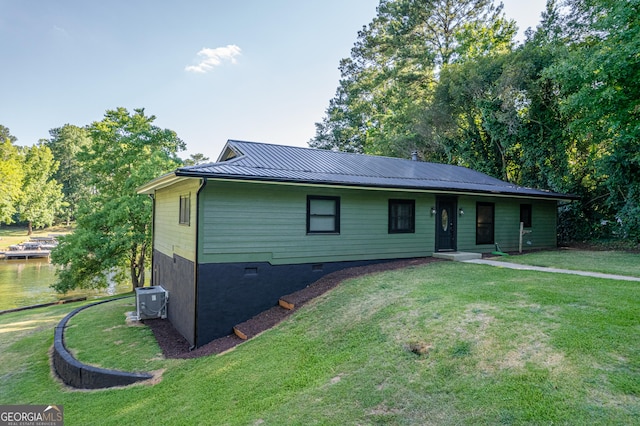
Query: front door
{"x": 446, "y": 224}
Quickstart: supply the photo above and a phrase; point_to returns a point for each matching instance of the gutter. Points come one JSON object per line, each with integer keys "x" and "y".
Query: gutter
{"x": 153, "y": 237}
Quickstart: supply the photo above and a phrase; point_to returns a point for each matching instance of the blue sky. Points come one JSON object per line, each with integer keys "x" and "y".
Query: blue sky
{"x": 210, "y": 70}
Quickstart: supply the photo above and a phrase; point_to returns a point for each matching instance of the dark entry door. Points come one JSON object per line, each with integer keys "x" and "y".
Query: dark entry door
{"x": 446, "y": 224}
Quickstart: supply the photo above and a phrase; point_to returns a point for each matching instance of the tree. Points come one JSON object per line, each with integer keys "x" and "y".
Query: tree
{"x": 113, "y": 227}
{"x": 478, "y": 98}
{"x": 388, "y": 82}
{"x": 444, "y": 26}
{"x": 600, "y": 97}
{"x": 5, "y": 133}
{"x": 41, "y": 197}
{"x": 66, "y": 143}
{"x": 196, "y": 159}
{"x": 502, "y": 109}
{"x": 11, "y": 176}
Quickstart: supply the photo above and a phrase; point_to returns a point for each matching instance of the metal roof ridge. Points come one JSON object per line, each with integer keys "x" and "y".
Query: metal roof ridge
{"x": 346, "y": 153}
{"x": 243, "y": 155}
{"x": 359, "y": 154}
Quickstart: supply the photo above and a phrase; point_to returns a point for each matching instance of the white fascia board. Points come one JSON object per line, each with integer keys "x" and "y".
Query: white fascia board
{"x": 169, "y": 179}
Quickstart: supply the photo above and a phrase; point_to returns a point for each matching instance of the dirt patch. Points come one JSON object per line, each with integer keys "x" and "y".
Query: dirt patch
{"x": 173, "y": 345}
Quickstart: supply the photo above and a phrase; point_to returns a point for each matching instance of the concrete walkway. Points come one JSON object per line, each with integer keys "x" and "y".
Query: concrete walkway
{"x": 554, "y": 270}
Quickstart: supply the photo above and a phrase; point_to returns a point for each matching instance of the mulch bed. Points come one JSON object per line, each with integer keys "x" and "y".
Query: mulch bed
{"x": 173, "y": 345}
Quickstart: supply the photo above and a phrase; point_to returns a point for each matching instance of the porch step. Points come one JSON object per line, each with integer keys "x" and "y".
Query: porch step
{"x": 241, "y": 334}
{"x": 457, "y": 256}
{"x": 286, "y": 304}
{"x": 259, "y": 323}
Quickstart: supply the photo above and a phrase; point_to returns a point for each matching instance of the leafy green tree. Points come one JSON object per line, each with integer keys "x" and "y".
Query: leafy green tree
{"x": 502, "y": 109}
{"x": 41, "y": 197}
{"x": 5, "y": 133}
{"x": 477, "y": 97}
{"x": 11, "y": 176}
{"x": 196, "y": 159}
{"x": 113, "y": 227}
{"x": 600, "y": 96}
{"x": 543, "y": 145}
{"x": 387, "y": 84}
{"x": 449, "y": 29}
{"x": 66, "y": 143}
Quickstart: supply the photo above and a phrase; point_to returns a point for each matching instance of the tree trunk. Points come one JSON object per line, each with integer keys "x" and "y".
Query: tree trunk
{"x": 29, "y": 228}
{"x": 137, "y": 266}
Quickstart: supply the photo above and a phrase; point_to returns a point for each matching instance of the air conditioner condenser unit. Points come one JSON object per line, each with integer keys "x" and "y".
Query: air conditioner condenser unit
{"x": 151, "y": 302}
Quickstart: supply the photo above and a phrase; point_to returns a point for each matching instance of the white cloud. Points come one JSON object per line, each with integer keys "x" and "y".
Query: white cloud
{"x": 212, "y": 58}
{"x": 61, "y": 32}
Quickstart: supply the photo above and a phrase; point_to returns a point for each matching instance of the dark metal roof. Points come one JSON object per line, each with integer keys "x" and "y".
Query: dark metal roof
{"x": 266, "y": 162}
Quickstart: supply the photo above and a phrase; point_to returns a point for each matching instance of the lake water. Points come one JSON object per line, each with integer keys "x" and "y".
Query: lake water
{"x": 26, "y": 282}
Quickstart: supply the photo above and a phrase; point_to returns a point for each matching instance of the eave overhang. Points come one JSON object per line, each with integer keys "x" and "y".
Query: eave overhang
{"x": 517, "y": 192}
{"x": 163, "y": 181}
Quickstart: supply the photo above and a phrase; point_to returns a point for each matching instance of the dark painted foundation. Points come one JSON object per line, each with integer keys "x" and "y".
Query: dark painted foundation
{"x": 231, "y": 293}
{"x": 176, "y": 275}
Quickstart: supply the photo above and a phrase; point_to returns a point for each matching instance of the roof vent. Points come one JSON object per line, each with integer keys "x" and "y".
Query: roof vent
{"x": 414, "y": 155}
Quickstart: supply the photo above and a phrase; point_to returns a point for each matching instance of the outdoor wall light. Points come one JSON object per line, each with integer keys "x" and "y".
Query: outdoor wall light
{"x": 433, "y": 211}
{"x": 461, "y": 212}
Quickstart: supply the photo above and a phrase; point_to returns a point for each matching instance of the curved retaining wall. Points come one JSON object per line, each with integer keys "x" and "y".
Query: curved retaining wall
{"x": 79, "y": 375}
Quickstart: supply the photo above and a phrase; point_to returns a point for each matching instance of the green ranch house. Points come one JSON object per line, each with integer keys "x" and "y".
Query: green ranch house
{"x": 231, "y": 237}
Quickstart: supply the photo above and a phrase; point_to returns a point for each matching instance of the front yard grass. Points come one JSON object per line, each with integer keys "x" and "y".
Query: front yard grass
{"x": 606, "y": 262}
{"x": 445, "y": 343}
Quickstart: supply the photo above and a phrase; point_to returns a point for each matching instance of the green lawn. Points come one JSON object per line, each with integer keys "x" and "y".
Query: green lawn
{"x": 442, "y": 344}
{"x": 607, "y": 262}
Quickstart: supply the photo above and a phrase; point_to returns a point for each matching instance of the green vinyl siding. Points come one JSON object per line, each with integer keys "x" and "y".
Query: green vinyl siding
{"x": 507, "y": 224}
{"x": 244, "y": 222}
{"x": 267, "y": 222}
{"x": 247, "y": 222}
{"x": 170, "y": 236}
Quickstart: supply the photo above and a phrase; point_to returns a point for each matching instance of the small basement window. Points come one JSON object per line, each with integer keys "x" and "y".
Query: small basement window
{"x": 402, "y": 216}
{"x": 185, "y": 210}
{"x": 323, "y": 215}
{"x": 525, "y": 214}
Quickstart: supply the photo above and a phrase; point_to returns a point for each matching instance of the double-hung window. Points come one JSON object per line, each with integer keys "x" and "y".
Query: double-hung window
{"x": 185, "y": 210}
{"x": 485, "y": 227}
{"x": 402, "y": 216}
{"x": 323, "y": 215}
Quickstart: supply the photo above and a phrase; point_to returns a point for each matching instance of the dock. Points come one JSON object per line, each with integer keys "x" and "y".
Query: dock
{"x": 37, "y": 247}
{"x": 25, "y": 254}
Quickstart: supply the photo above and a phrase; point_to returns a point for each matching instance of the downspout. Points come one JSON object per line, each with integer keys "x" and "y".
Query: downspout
{"x": 203, "y": 183}
{"x": 153, "y": 238}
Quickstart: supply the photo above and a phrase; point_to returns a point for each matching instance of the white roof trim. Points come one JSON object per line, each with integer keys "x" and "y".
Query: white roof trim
{"x": 162, "y": 182}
